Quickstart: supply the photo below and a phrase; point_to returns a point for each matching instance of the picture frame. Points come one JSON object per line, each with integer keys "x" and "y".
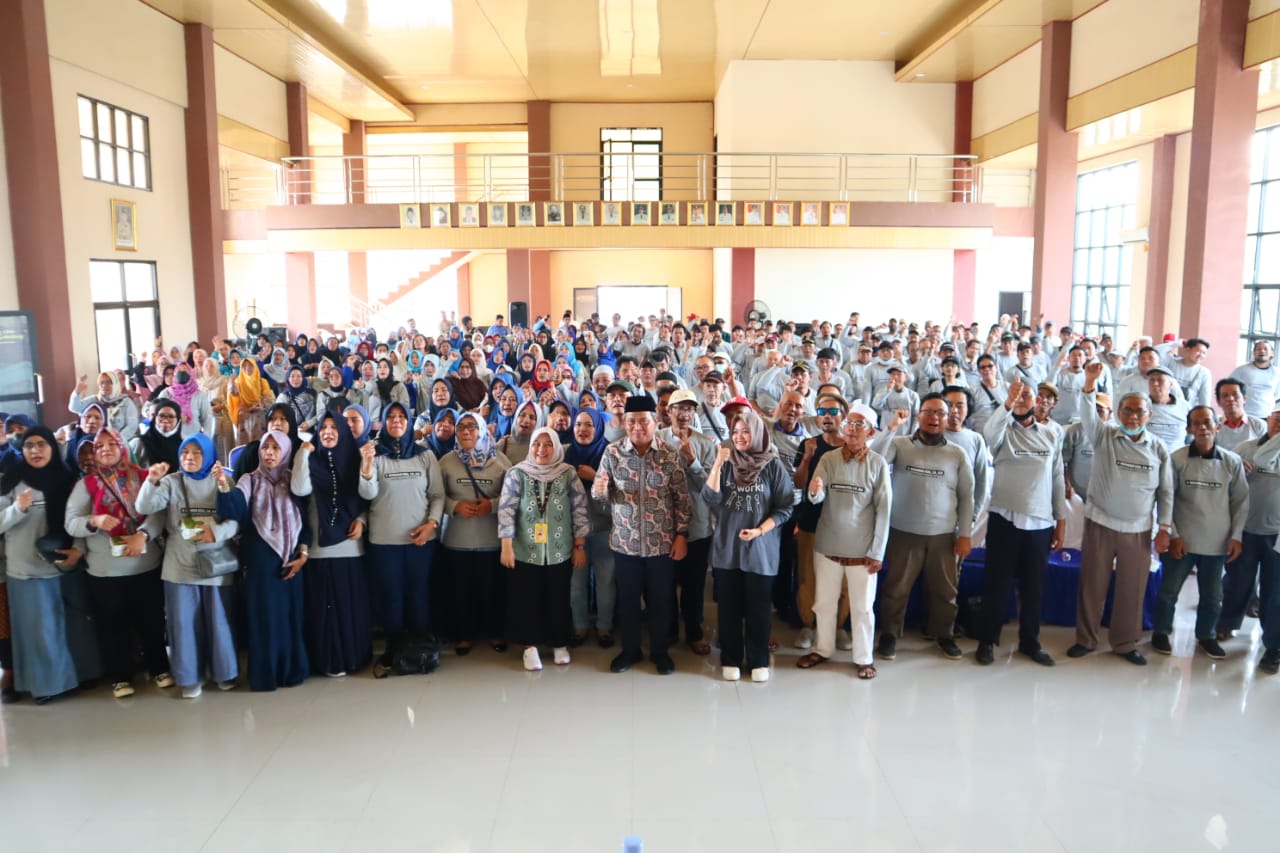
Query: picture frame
{"x": 726, "y": 213}
{"x": 783, "y": 211}
{"x": 668, "y": 213}
{"x": 695, "y": 213}
{"x": 124, "y": 225}
{"x": 497, "y": 215}
{"x": 553, "y": 214}
{"x": 526, "y": 214}
{"x": 838, "y": 213}
{"x": 468, "y": 215}
{"x": 753, "y": 213}
{"x": 584, "y": 213}
{"x": 810, "y": 213}
{"x": 440, "y": 215}
{"x": 610, "y": 213}
{"x": 641, "y": 213}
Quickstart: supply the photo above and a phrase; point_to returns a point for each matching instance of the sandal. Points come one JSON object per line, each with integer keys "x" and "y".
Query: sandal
{"x": 605, "y": 639}
{"x": 773, "y": 644}
{"x": 866, "y": 672}
{"x": 462, "y": 649}
{"x": 811, "y": 660}
{"x": 700, "y": 647}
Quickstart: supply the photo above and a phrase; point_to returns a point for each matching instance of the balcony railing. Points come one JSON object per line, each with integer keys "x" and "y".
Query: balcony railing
{"x": 405, "y": 179}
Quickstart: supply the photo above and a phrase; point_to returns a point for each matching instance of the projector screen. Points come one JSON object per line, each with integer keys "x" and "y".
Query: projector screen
{"x": 636, "y": 301}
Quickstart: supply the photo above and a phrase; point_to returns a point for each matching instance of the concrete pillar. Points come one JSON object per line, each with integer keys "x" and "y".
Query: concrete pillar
{"x": 1056, "y": 159}
{"x": 964, "y": 267}
{"x": 538, "y": 123}
{"x": 1159, "y": 225}
{"x": 204, "y": 201}
{"x": 742, "y": 289}
{"x": 300, "y": 267}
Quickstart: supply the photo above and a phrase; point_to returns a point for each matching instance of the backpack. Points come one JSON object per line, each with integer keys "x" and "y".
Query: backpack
{"x": 420, "y": 657}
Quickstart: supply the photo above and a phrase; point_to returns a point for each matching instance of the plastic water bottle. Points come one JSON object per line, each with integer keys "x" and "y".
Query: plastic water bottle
{"x": 633, "y": 844}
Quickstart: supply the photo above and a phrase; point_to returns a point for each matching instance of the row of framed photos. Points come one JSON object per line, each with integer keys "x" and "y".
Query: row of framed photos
{"x": 780, "y": 214}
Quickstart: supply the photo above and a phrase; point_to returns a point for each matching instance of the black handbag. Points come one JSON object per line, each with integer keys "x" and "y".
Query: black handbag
{"x": 48, "y": 547}
{"x": 418, "y": 658}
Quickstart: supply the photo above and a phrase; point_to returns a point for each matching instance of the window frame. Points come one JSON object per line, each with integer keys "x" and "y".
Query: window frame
{"x": 1264, "y": 178}
{"x": 1098, "y": 305}
{"x": 112, "y": 144}
{"x": 126, "y": 305}
{"x": 606, "y": 167}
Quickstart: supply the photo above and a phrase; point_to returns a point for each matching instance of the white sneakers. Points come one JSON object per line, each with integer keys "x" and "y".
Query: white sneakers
{"x": 760, "y": 674}
{"x": 730, "y": 673}
{"x": 227, "y": 685}
{"x": 122, "y": 690}
{"x": 561, "y": 655}
{"x": 164, "y": 679}
{"x": 532, "y": 662}
{"x": 805, "y": 640}
{"x": 192, "y": 692}
{"x": 844, "y": 640}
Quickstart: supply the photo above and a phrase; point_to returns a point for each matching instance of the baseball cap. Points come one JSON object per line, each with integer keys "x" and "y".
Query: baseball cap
{"x": 620, "y": 383}
{"x": 895, "y": 366}
{"x": 713, "y": 376}
{"x": 1159, "y": 369}
{"x": 736, "y": 401}
{"x": 1102, "y": 400}
{"x": 667, "y": 376}
{"x": 1048, "y": 386}
{"x": 683, "y": 395}
{"x": 1169, "y": 337}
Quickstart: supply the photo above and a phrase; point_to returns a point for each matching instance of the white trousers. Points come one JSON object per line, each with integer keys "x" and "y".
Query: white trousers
{"x": 862, "y": 598}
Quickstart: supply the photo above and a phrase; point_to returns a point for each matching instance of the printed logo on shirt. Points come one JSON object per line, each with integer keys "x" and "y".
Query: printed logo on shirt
{"x": 1042, "y": 453}
{"x": 848, "y": 487}
{"x": 401, "y": 475}
{"x": 480, "y": 481}
{"x": 1132, "y": 466}
{"x": 925, "y": 472}
{"x": 1202, "y": 484}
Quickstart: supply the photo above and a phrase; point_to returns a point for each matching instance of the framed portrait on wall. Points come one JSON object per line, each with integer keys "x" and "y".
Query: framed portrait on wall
{"x": 810, "y": 213}
{"x": 697, "y": 213}
{"x": 124, "y": 225}
{"x": 754, "y": 213}
{"x": 525, "y": 215}
{"x": 584, "y": 213}
{"x": 610, "y": 213}
{"x": 469, "y": 215}
{"x": 410, "y": 216}
{"x": 640, "y": 213}
{"x": 439, "y": 216}
{"x": 553, "y": 213}
{"x": 726, "y": 213}
{"x": 838, "y": 213}
{"x": 498, "y": 215}
{"x": 668, "y": 213}
{"x": 782, "y": 211}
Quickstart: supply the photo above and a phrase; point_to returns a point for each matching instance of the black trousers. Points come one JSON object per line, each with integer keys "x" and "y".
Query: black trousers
{"x": 480, "y": 594}
{"x": 744, "y": 598}
{"x": 691, "y": 583}
{"x": 784, "y": 583}
{"x": 129, "y": 612}
{"x": 652, "y": 578}
{"x": 538, "y": 612}
{"x": 1013, "y": 554}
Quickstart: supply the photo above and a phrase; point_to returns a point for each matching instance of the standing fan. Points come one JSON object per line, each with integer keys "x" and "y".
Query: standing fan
{"x": 248, "y": 322}
{"x": 757, "y": 312}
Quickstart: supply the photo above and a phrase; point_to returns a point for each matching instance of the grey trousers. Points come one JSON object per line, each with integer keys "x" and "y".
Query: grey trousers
{"x": 907, "y": 555}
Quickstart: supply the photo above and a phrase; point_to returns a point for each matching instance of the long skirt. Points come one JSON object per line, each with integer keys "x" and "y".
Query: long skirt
{"x": 277, "y": 650}
{"x": 54, "y": 648}
{"x": 538, "y": 611}
{"x": 200, "y": 638}
{"x": 338, "y": 630}
{"x": 401, "y": 576}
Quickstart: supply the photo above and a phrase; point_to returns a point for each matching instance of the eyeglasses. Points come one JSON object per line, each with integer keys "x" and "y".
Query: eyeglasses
{"x": 833, "y": 412}
{"x": 933, "y": 413}
{"x": 857, "y": 426}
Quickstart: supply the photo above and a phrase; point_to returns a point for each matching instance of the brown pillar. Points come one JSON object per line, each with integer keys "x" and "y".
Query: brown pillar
{"x": 518, "y": 280}
{"x": 540, "y": 283}
{"x": 35, "y": 196}
{"x": 1226, "y": 105}
{"x": 742, "y": 284}
{"x": 964, "y": 284}
{"x": 354, "y": 145}
{"x": 296, "y": 113}
{"x": 538, "y": 124}
{"x": 1056, "y": 158}
{"x": 203, "y": 200}
{"x": 964, "y": 265}
{"x": 1159, "y": 224}
{"x": 464, "y": 290}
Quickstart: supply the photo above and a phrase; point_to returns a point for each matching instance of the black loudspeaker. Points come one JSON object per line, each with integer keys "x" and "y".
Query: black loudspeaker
{"x": 519, "y": 314}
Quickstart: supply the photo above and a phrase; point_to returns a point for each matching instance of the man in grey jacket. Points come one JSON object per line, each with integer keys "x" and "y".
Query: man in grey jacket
{"x": 1132, "y": 477}
{"x": 1210, "y": 504}
{"x": 1028, "y": 519}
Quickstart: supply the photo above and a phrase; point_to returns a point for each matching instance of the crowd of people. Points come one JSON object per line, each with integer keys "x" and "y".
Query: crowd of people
{"x": 295, "y": 505}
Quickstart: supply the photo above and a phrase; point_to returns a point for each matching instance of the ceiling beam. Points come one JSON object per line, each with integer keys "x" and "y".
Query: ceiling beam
{"x": 938, "y": 37}
{"x": 287, "y": 15}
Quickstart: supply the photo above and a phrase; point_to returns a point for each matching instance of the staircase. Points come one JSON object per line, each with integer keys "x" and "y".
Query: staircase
{"x": 448, "y": 262}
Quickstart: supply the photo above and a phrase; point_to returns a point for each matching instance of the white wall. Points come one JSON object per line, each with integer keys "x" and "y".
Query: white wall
{"x": 800, "y": 284}
{"x": 1120, "y": 36}
{"x": 8, "y": 276}
{"x": 1007, "y": 92}
{"x": 722, "y": 283}
{"x": 249, "y": 95}
{"x": 1005, "y": 265}
{"x": 259, "y": 279}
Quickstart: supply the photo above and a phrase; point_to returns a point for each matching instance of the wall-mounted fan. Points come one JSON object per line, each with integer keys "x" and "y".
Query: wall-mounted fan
{"x": 757, "y": 312}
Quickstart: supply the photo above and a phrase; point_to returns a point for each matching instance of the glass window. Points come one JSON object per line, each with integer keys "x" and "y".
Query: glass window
{"x": 631, "y": 163}
{"x": 126, "y": 310}
{"x": 114, "y": 145}
{"x": 1106, "y": 206}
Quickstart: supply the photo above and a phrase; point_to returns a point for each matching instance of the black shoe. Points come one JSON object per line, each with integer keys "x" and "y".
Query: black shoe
{"x": 623, "y": 662}
{"x": 1134, "y": 657}
{"x": 1078, "y": 651}
{"x": 577, "y": 640}
{"x": 1252, "y": 609}
{"x": 986, "y": 654}
{"x": 664, "y": 663}
{"x": 605, "y": 639}
{"x": 949, "y": 649}
{"x": 462, "y": 651}
{"x": 1037, "y": 654}
{"x": 1160, "y": 642}
{"x": 1212, "y": 649}
{"x": 888, "y": 648}
{"x": 1270, "y": 663}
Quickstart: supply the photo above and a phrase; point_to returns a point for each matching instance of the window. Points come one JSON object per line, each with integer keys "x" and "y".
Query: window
{"x": 1260, "y": 308}
{"x": 115, "y": 145}
{"x": 126, "y": 310}
{"x": 630, "y": 163}
{"x": 1106, "y": 206}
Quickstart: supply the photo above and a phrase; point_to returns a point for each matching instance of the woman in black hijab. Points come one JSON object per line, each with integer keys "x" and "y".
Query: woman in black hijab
{"x": 279, "y": 417}
{"x": 163, "y": 437}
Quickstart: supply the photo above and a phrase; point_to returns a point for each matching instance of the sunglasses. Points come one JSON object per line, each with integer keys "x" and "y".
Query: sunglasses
{"x": 831, "y": 412}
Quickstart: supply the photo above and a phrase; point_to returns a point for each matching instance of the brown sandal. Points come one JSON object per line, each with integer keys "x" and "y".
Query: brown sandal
{"x": 866, "y": 672}
{"x": 811, "y": 660}
{"x": 700, "y": 647}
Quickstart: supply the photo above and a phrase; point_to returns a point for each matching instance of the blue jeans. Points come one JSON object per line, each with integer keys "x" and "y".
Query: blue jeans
{"x": 1242, "y": 573}
{"x": 599, "y": 563}
{"x": 1208, "y": 578}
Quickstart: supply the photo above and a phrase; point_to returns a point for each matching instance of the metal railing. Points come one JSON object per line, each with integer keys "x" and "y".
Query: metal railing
{"x": 405, "y": 179}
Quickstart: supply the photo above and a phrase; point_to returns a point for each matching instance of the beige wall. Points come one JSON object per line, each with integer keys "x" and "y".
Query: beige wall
{"x": 248, "y": 95}
{"x": 258, "y": 279}
{"x": 8, "y": 276}
{"x": 1258, "y": 8}
{"x": 688, "y": 269}
{"x": 1120, "y": 36}
{"x": 1004, "y": 266}
{"x": 488, "y": 286}
{"x": 1007, "y": 92}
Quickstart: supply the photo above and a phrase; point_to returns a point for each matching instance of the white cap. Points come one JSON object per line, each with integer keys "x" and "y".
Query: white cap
{"x": 682, "y": 395}
{"x": 857, "y": 407}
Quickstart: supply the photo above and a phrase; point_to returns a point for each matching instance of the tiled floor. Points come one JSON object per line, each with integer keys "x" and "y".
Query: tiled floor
{"x": 1092, "y": 755}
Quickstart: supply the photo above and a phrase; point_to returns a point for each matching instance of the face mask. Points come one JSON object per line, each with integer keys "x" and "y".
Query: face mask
{"x": 182, "y": 378}
{"x": 15, "y": 440}
{"x": 166, "y": 433}
{"x": 1131, "y": 432}
{"x": 883, "y": 361}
